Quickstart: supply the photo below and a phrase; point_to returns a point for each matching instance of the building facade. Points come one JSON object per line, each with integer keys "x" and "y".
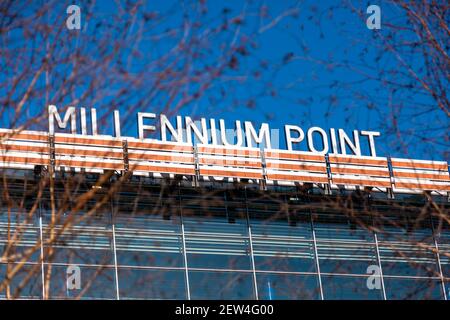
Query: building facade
{"x": 68, "y": 233}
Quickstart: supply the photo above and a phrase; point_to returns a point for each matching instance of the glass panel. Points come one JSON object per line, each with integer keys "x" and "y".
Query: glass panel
{"x": 345, "y": 257}
{"x": 412, "y": 289}
{"x": 217, "y": 242}
{"x": 279, "y": 246}
{"x": 151, "y": 284}
{"x": 343, "y": 246}
{"x": 149, "y": 240}
{"x": 406, "y": 249}
{"x": 284, "y": 286}
{"x": 96, "y": 282}
{"x": 443, "y": 239}
{"x": 221, "y": 285}
{"x": 23, "y": 232}
{"x": 349, "y": 287}
{"x": 25, "y": 284}
{"x": 79, "y": 238}
{"x": 408, "y": 259}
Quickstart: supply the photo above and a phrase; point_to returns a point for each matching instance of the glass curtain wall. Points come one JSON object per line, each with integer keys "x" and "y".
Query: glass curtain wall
{"x": 178, "y": 243}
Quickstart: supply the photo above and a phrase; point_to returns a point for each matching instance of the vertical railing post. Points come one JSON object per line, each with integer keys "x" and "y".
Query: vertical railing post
{"x": 377, "y": 248}
{"x": 328, "y": 168}
{"x": 126, "y": 161}
{"x": 392, "y": 179}
{"x": 263, "y": 184}
{"x": 438, "y": 260}
{"x": 116, "y": 272}
{"x": 183, "y": 237}
{"x": 52, "y": 154}
{"x": 41, "y": 251}
{"x": 197, "y": 166}
{"x": 316, "y": 256}
{"x": 252, "y": 257}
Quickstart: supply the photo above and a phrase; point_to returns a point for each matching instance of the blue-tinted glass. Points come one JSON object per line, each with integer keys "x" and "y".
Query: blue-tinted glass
{"x": 80, "y": 238}
{"x": 217, "y": 243}
{"x": 345, "y": 257}
{"x": 96, "y": 282}
{"x": 273, "y": 286}
{"x": 349, "y": 288}
{"x": 344, "y": 247}
{"x": 407, "y": 252}
{"x": 443, "y": 239}
{"x": 26, "y": 282}
{"x": 24, "y": 229}
{"x": 412, "y": 289}
{"x": 221, "y": 285}
{"x": 151, "y": 284}
{"x": 148, "y": 240}
{"x": 279, "y": 246}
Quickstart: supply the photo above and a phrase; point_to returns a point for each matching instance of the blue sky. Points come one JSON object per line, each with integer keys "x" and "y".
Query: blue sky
{"x": 291, "y": 70}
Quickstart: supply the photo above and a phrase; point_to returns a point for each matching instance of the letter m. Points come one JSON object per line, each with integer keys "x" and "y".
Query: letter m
{"x": 62, "y": 124}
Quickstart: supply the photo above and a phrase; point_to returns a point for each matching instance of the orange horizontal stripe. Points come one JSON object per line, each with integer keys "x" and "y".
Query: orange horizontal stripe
{"x": 162, "y": 169}
{"x": 230, "y": 162}
{"x": 293, "y": 156}
{"x": 157, "y": 146}
{"x": 422, "y": 186}
{"x": 420, "y": 175}
{"x": 88, "y": 141}
{"x": 230, "y": 152}
{"x": 360, "y": 182}
{"x": 24, "y": 160}
{"x": 401, "y": 164}
{"x": 287, "y": 177}
{"x": 374, "y": 173}
{"x": 167, "y": 158}
{"x": 297, "y": 167}
{"x": 11, "y": 147}
{"x": 24, "y": 136}
{"x": 231, "y": 174}
{"x": 349, "y": 160}
{"x": 88, "y": 164}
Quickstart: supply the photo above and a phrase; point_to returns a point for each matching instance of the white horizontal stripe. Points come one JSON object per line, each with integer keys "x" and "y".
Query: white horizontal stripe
{"x": 298, "y": 173}
{"x": 25, "y": 143}
{"x": 34, "y": 155}
{"x": 221, "y": 147}
{"x": 421, "y": 181}
{"x": 229, "y": 158}
{"x": 296, "y": 162}
{"x": 425, "y": 171}
{"x": 206, "y": 167}
{"x": 11, "y": 165}
{"x": 161, "y": 164}
{"x": 359, "y": 167}
{"x": 411, "y": 161}
{"x": 154, "y": 141}
{"x": 91, "y": 148}
{"x": 357, "y": 157}
{"x": 138, "y": 152}
{"x": 406, "y": 190}
{"x": 359, "y": 177}
{"x": 87, "y": 158}
{"x": 119, "y": 139}
{"x": 307, "y": 153}
{"x": 83, "y": 137}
